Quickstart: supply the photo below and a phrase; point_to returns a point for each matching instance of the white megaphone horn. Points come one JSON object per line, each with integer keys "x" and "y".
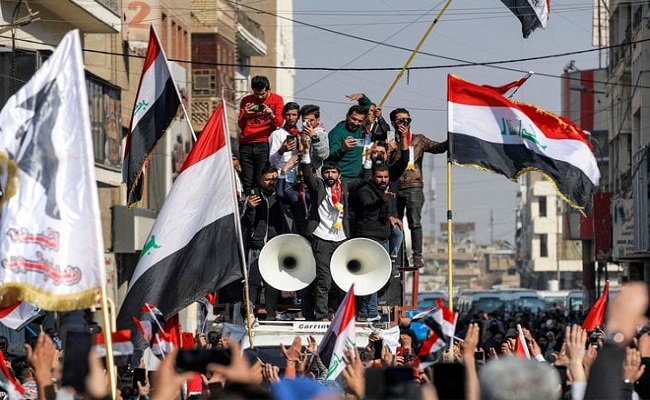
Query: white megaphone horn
{"x": 363, "y": 262}
{"x": 287, "y": 262}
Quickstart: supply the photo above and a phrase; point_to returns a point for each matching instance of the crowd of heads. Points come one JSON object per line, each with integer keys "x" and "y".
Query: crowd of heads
{"x": 578, "y": 368}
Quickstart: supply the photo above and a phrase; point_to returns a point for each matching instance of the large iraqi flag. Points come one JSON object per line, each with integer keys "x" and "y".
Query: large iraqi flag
{"x": 492, "y": 133}
{"x": 193, "y": 247}
{"x": 156, "y": 104}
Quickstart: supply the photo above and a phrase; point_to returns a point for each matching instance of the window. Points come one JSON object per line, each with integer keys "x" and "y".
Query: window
{"x": 543, "y": 245}
{"x": 542, "y": 206}
{"x": 204, "y": 83}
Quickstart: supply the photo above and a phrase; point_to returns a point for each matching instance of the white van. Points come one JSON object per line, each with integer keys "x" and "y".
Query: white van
{"x": 479, "y": 300}
{"x": 268, "y": 335}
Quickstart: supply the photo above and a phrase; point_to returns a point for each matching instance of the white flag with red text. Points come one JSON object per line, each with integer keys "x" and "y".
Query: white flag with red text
{"x": 51, "y": 246}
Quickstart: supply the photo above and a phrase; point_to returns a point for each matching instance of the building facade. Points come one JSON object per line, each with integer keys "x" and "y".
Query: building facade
{"x": 206, "y": 43}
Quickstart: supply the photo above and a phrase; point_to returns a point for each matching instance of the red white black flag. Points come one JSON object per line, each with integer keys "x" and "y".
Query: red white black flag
{"x": 155, "y": 106}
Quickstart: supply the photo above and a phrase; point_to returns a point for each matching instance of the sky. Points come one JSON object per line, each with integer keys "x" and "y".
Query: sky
{"x": 470, "y": 31}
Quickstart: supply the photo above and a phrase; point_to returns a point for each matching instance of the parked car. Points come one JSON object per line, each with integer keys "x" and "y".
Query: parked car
{"x": 428, "y": 300}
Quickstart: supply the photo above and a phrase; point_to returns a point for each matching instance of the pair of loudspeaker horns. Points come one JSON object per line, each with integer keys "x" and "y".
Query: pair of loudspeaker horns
{"x": 287, "y": 263}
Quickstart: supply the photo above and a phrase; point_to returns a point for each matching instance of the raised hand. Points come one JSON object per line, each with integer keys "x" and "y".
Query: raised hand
{"x": 294, "y": 352}
{"x": 633, "y": 369}
{"x": 575, "y": 339}
{"x": 354, "y": 373}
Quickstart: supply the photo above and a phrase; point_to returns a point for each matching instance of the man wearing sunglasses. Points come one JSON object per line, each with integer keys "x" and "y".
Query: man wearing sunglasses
{"x": 410, "y": 194}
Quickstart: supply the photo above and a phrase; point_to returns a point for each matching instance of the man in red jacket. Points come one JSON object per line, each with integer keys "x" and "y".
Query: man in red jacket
{"x": 260, "y": 113}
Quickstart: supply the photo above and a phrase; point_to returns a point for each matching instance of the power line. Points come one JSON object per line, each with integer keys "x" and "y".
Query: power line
{"x": 356, "y": 69}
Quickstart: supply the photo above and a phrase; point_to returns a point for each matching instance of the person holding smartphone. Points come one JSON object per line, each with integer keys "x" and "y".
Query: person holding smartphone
{"x": 346, "y": 140}
{"x": 264, "y": 217}
{"x": 260, "y": 113}
{"x": 313, "y": 129}
{"x": 283, "y": 143}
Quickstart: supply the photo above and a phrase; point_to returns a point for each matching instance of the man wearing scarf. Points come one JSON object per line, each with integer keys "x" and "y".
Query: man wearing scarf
{"x": 327, "y": 226}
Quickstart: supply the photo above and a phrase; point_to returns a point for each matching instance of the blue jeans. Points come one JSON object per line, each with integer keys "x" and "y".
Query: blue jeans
{"x": 395, "y": 241}
{"x": 368, "y": 304}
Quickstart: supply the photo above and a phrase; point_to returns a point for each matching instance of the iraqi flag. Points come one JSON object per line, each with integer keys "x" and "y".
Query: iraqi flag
{"x": 340, "y": 335}
{"x": 51, "y": 245}
{"x": 521, "y": 347}
{"x": 19, "y": 314}
{"x": 492, "y": 133}
{"x": 155, "y": 106}
{"x": 193, "y": 247}
{"x": 596, "y": 315}
{"x": 531, "y": 13}
{"x": 8, "y": 383}
{"x": 442, "y": 327}
{"x": 121, "y": 344}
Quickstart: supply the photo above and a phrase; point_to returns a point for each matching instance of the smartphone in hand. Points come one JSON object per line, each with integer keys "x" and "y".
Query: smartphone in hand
{"x": 75, "y": 360}
{"x": 378, "y": 345}
{"x": 197, "y": 360}
{"x": 139, "y": 375}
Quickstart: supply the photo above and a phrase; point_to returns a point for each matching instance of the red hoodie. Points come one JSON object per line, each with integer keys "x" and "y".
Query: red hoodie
{"x": 258, "y": 127}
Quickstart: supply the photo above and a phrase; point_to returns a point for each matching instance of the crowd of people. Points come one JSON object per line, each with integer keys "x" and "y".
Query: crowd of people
{"x": 480, "y": 363}
{"x": 359, "y": 180}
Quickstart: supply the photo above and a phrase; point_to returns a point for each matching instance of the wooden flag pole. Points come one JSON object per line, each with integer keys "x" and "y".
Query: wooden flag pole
{"x": 108, "y": 340}
{"x": 412, "y": 56}
{"x": 450, "y": 263}
{"x": 242, "y": 253}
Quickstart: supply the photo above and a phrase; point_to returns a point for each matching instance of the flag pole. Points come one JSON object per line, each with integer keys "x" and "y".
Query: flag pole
{"x": 412, "y": 56}
{"x": 108, "y": 340}
{"x": 242, "y": 253}
{"x": 450, "y": 270}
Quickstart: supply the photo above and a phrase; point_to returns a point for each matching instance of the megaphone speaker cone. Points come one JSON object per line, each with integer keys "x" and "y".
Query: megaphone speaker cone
{"x": 363, "y": 262}
{"x": 287, "y": 263}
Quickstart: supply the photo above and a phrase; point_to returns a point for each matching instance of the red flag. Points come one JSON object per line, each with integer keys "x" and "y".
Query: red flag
{"x": 13, "y": 388}
{"x": 503, "y": 89}
{"x": 597, "y": 314}
{"x": 204, "y": 254}
{"x": 121, "y": 340}
{"x": 521, "y": 347}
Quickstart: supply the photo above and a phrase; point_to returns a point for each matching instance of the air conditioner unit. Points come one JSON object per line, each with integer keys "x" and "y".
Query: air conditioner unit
{"x": 203, "y": 82}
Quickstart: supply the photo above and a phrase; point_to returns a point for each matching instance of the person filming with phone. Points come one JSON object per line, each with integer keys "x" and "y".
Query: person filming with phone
{"x": 260, "y": 113}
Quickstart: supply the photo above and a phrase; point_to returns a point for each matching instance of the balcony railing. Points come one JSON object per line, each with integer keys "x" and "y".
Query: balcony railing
{"x": 250, "y": 25}
{"x": 112, "y": 5}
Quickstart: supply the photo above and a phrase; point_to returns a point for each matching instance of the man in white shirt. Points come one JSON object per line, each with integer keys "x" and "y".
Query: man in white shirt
{"x": 327, "y": 225}
{"x": 283, "y": 142}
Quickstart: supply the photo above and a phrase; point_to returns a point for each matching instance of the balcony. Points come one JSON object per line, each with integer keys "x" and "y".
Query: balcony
{"x": 250, "y": 37}
{"x": 90, "y": 16}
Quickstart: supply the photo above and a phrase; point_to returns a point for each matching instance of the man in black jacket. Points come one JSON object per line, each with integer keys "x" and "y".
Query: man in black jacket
{"x": 371, "y": 207}
{"x": 264, "y": 217}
